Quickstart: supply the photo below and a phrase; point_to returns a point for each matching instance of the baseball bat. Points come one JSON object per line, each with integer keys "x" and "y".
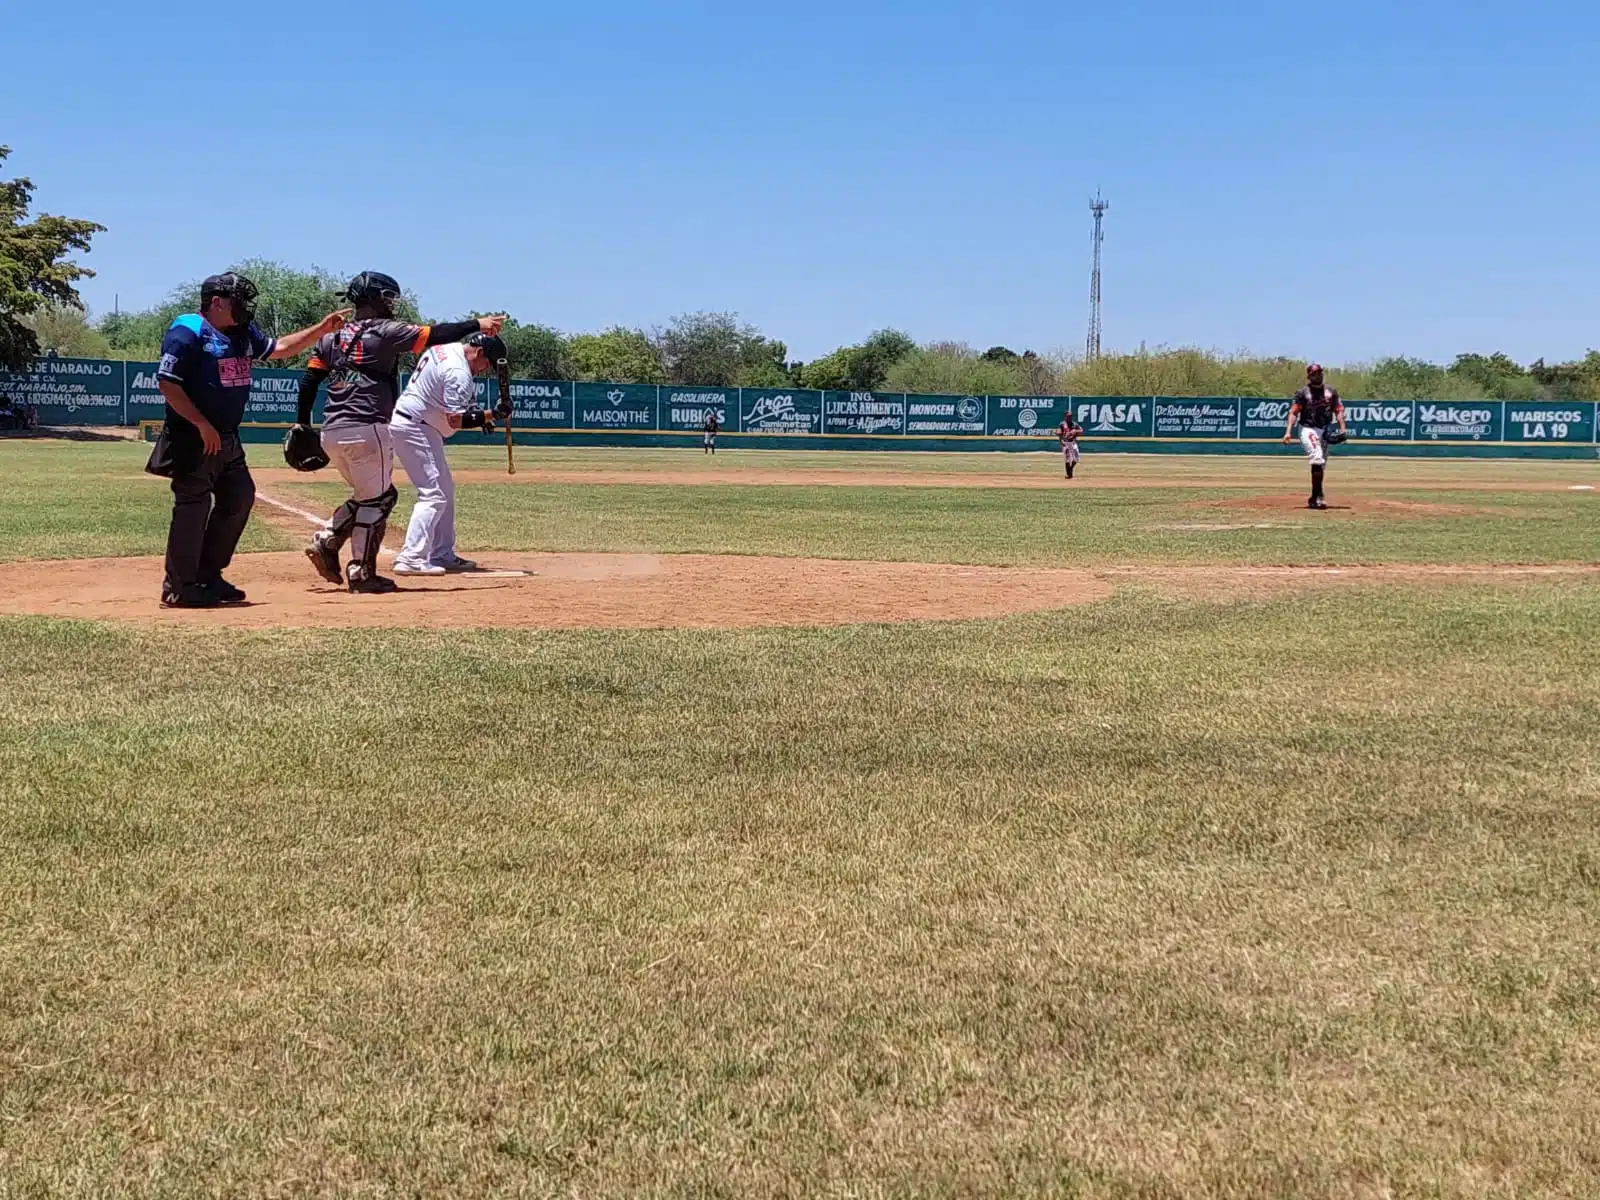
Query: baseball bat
{"x": 503, "y": 372}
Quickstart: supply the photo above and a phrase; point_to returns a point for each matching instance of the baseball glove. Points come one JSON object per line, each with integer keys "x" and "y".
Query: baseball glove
{"x": 302, "y": 449}
{"x": 1333, "y": 435}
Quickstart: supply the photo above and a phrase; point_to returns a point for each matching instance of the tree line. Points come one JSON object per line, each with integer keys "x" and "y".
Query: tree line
{"x": 40, "y": 312}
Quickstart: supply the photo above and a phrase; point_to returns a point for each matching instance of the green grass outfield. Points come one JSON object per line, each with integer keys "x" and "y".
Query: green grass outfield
{"x": 1167, "y": 895}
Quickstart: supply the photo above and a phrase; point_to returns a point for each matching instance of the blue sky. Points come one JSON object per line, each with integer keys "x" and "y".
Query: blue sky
{"x": 1338, "y": 181}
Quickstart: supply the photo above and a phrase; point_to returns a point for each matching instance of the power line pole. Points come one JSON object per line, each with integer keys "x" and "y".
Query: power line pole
{"x": 1098, "y": 207}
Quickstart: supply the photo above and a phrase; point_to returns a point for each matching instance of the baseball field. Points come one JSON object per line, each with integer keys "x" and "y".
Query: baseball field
{"x": 811, "y": 824}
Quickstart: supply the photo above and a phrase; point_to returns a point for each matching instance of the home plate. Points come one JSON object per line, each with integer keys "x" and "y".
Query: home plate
{"x": 499, "y": 574}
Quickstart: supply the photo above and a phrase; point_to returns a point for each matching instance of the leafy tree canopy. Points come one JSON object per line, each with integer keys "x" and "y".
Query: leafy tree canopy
{"x": 35, "y": 272}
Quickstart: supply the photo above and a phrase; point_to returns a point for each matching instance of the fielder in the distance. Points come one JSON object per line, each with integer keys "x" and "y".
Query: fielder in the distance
{"x": 1069, "y": 431}
{"x": 1316, "y": 406}
{"x": 710, "y": 428}
{"x": 439, "y": 399}
{"x": 361, "y": 365}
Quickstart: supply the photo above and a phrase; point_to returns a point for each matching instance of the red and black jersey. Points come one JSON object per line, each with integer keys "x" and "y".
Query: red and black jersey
{"x": 1318, "y": 404}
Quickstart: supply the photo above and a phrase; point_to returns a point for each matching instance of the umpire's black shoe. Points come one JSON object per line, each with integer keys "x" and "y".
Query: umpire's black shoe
{"x": 225, "y": 592}
{"x": 193, "y": 596}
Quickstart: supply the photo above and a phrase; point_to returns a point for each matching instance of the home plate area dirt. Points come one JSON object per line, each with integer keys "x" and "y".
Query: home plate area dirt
{"x": 561, "y": 591}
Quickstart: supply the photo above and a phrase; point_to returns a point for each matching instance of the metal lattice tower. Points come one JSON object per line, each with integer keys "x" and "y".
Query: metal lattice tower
{"x": 1098, "y": 207}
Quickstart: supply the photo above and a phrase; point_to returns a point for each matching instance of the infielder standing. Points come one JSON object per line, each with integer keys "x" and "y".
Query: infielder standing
{"x": 361, "y": 364}
{"x": 1315, "y": 406}
{"x": 1069, "y": 431}
{"x": 205, "y": 379}
{"x": 439, "y": 399}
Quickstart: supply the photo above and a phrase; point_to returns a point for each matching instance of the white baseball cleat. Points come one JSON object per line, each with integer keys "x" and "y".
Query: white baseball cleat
{"x": 401, "y": 567}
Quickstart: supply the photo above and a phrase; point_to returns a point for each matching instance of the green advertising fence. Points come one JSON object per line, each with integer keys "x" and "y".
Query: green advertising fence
{"x": 90, "y": 392}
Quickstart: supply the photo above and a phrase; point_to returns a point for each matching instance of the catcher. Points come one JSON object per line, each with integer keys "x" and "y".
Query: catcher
{"x": 1316, "y": 406}
{"x": 1068, "y": 432}
{"x": 439, "y": 399}
{"x": 361, "y": 365}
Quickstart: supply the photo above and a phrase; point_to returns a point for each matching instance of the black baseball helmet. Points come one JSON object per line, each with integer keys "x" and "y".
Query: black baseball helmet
{"x": 492, "y": 347}
{"x": 231, "y": 286}
{"x": 375, "y": 290}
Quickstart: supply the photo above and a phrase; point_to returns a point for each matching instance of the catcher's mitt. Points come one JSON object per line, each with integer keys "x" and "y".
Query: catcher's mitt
{"x": 1333, "y": 435}
{"x": 302, "y": 449}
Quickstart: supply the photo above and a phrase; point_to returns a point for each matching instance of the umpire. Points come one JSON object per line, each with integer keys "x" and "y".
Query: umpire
{"x": 205, "y": 379}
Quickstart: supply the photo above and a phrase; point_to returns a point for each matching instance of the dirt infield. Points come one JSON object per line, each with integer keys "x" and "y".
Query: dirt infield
{"x": 562, "y": 591}
{"x": 668, "y": 591}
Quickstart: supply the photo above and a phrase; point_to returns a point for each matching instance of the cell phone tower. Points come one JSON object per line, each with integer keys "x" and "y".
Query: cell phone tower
{"x": 1098, "y": 207}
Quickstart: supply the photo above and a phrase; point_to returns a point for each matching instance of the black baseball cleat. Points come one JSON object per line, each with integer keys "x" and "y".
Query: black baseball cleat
{"x": 1316, "y": 502}
{"x": 362, "y": 584}
{"x": 193, "y": 596}
{"x": 225, "y": 592}
{"x": 324, "y": 556}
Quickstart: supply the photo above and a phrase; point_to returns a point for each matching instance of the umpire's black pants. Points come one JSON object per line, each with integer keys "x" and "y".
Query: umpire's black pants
{"x": 211, "y": 501}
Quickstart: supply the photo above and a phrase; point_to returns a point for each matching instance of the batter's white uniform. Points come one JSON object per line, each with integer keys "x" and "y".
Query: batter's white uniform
{"x": 440, "y": 387}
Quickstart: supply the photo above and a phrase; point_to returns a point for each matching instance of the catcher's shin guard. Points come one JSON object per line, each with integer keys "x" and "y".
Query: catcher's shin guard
{"x": 366, "y": 538}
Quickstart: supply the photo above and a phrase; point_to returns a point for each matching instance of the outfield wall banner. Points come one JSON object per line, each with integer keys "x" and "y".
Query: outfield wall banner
{"x": 880, "y": 413}
{"x": 144, "y": 395}
{"x": 1380, "y": 420}
{"x": 1468, "y": 421}
{"x": 1263, "y": 418}
{"x": 76, "y": 391}
{"x": 275, "y": 396}
{"x": 780, "y": 410}
{"x": 1114, "y": 416}
{"x": 538, "y": 405}
{"x": 684, "y": 409}
{"x": 1026, "y": 416}
{"x": 946, "y": 416}
{"x": 1205, "y": 417}
{"x": 1548, "y": 421}
{"x": 615, "y": 406}
{"x": 70, "y": 391}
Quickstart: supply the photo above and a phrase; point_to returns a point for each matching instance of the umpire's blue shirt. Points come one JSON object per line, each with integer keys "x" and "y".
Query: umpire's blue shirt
{"x": 212, "y": 367}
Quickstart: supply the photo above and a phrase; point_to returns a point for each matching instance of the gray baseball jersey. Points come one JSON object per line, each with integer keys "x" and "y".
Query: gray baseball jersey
{"x": 364, "y": 373}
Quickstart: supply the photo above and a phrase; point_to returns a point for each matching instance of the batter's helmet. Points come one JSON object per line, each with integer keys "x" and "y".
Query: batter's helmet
{"x": 492, "y": 347}
{"x": 231, "y": 286}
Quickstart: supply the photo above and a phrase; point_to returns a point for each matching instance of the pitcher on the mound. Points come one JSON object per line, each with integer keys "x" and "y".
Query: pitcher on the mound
{"x": 439, "y": 399}
{"x": 1315, "y": 406}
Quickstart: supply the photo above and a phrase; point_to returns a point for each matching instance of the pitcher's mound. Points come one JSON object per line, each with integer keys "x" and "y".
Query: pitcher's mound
{"x": 561, "y": 591}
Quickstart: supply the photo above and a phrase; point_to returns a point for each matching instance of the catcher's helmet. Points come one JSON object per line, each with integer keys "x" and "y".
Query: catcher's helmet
{"x": 231, "y": 286}
{"x": 376, "y": 290}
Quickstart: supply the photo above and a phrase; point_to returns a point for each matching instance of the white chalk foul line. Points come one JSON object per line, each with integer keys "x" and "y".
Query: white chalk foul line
{"x": 304, "y": 515}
